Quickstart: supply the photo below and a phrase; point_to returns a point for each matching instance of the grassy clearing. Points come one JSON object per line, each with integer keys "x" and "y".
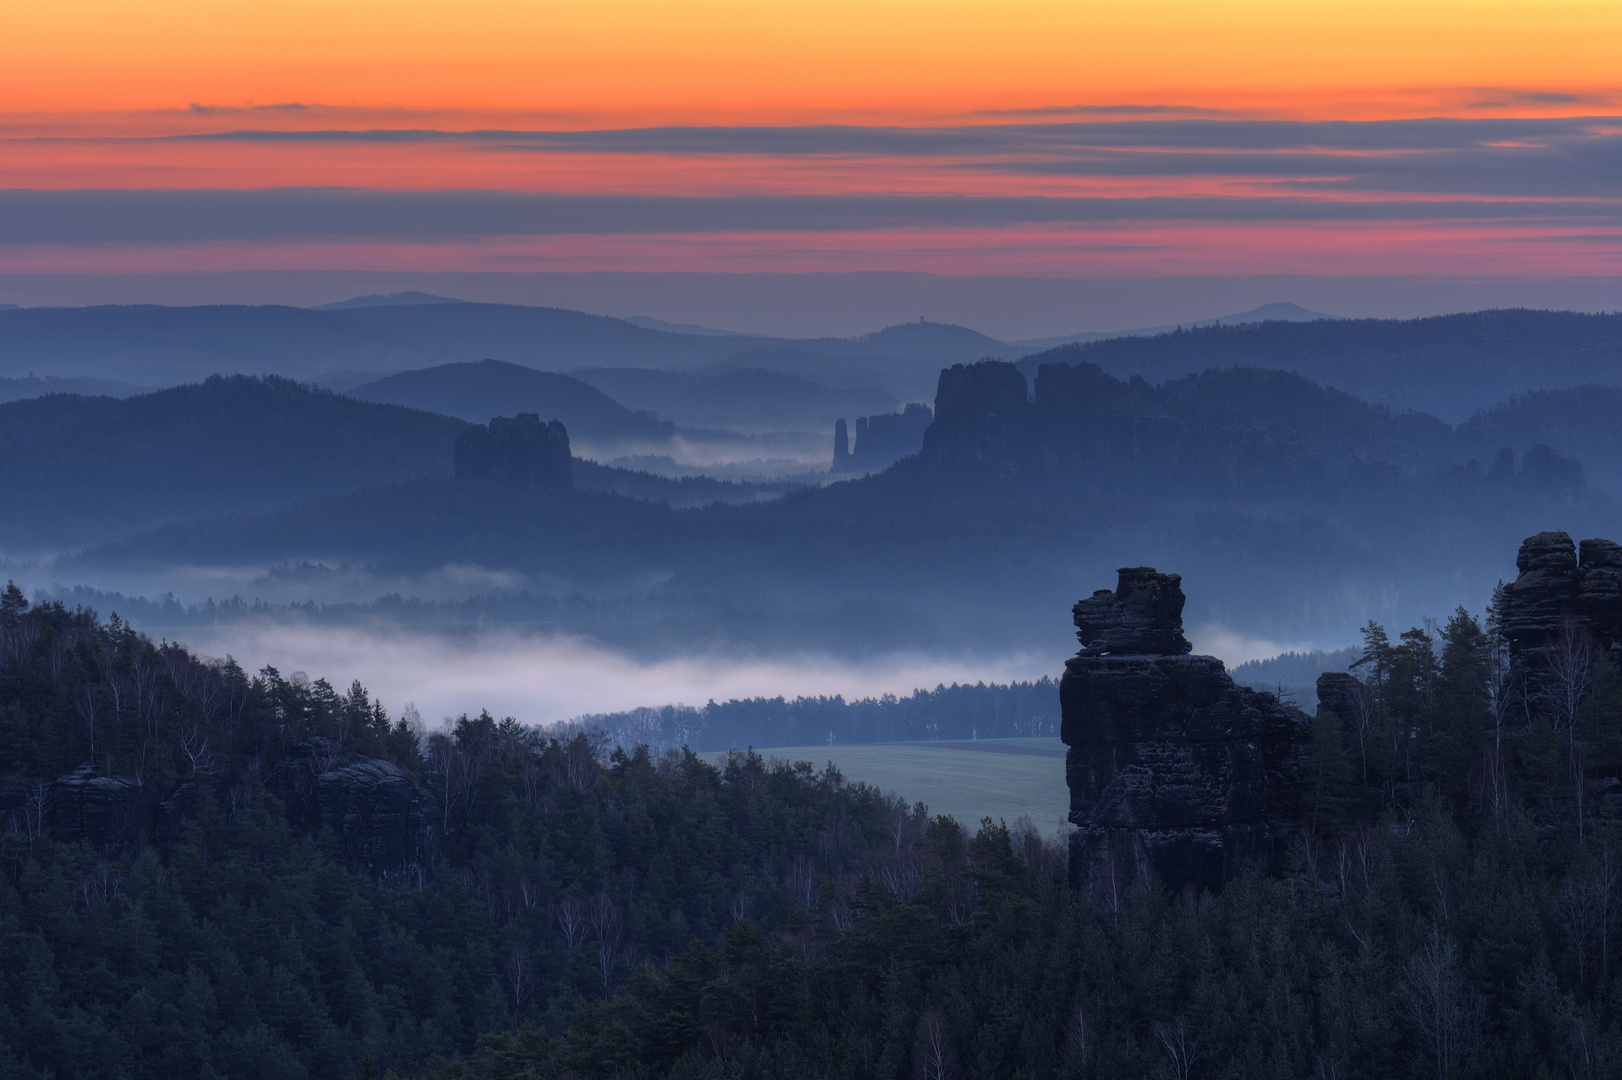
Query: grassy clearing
{"x": 995, "y": 778}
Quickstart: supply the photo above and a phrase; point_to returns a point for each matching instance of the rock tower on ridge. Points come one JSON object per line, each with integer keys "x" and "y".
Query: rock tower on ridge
{"x": 516, "y": 448}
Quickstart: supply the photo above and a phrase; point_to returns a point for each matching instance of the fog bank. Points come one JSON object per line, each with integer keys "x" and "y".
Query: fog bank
{"x": 547, "y": 679}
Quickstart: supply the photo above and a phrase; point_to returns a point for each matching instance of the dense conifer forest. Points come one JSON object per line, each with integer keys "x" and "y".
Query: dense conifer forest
{"x": 568, "y": 908}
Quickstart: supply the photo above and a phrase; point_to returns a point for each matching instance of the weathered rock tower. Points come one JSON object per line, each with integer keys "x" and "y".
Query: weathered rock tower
{"x": 1174, "y": 769}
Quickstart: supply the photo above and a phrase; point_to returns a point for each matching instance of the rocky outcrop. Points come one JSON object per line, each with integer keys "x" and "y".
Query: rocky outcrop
{"x": 518, "y": 448}
{"x": 982, "y": 418}
{"x": 1237, "y": 433}
{"x": 1563, "y": 585}
{"x": 883, "y": 440}
{"x": 1346, "y": 696}
{"x": 380, "y": 816}
{"x": 106, "y": 812}
{"x": 1174, "y": 770}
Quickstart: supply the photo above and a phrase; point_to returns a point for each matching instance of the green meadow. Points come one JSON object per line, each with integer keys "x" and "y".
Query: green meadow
{"x": 996, "y": 778}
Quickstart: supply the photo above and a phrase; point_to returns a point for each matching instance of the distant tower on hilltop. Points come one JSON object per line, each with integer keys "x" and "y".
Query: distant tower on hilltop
{"x": 520, "y": 448}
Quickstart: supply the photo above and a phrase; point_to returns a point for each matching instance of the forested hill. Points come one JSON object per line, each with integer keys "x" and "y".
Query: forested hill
{"x": 1448, "y": 366}
{"x": 476, "y": 391}
{"x": 1581, "y": 422}
{"x": 78, "y": 469}
{"x": 81, "y": 470}
{"x": 190, "y": 903}
{"x": 178, "y": 344}
{"x": 206, "y": 872}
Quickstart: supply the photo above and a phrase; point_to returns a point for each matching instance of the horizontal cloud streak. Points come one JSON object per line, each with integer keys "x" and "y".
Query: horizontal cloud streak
{"x": 1085, "y": 187}
{"x": 31, "y": 218}
{"x": 1181, "y": 133}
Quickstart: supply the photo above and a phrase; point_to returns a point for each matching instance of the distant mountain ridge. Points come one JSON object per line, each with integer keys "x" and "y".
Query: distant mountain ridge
{"x": 78, "y": 470}
{"x": 33, "y": 387}
{"x": 1448, "y": 366}
{"x": 477, "y": 390}
{"x": 398, "y": 299}
{"x": 1278, "y": 311}
{"x": 738, "y": 398}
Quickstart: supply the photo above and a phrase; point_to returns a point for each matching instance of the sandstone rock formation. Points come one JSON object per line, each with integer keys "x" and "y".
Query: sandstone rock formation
{"x": 380, "y": 816}
{"x": 1239, "y": 433}
{"x": 1348, "y": 697}
{"x": 882, "y": 440}
{"x": 106, "y": 812}
{"x": 517, "y": 448}
{"x": 1563, "y": 585}
{"x": 1174, "y": 770}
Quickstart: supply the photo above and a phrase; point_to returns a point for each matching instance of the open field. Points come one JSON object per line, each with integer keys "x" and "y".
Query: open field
{"x": 996, "y": 778}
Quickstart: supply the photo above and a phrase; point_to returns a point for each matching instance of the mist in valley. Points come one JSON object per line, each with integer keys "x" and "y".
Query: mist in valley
{"x": 712, "y": 542}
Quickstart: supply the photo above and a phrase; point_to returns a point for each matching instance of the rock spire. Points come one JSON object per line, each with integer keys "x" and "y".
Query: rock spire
{"x": 1175, "y": 771}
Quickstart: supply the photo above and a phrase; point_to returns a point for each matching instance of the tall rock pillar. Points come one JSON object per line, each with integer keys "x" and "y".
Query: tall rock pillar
{"x": 1175, "y": 771}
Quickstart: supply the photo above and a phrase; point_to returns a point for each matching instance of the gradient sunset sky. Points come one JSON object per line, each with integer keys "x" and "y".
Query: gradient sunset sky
{"x": 1024, "y": 137}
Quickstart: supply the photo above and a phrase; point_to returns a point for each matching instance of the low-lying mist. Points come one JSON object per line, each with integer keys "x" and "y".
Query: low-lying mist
{"x": 545, "y": 679}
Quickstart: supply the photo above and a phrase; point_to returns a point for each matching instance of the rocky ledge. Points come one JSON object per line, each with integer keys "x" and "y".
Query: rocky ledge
{"x": 1175, "y": 771}
{"x": 380, "y": 816}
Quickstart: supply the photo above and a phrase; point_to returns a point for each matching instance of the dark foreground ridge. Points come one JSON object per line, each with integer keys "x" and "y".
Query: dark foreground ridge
{"x": 1175, "y": 770}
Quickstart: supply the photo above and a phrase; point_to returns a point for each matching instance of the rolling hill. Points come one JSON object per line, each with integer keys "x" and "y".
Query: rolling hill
{"x": 80, "y": 470}
{"x": 742, "y": 398}
{"x": 477, "y": 390}
{"x": 1449, "y": 366}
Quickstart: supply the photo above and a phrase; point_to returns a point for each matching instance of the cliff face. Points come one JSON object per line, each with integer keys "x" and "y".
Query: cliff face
{"x": 1239, "y": 433}
{"x": 1173, "y": 768}
{"x": 881, "y": 440}
{"x": 1563, "y": 585}
{"x": 516, "y": 448}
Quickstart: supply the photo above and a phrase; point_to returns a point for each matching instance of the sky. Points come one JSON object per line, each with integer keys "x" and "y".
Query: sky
{"x": 1025, "y": 137}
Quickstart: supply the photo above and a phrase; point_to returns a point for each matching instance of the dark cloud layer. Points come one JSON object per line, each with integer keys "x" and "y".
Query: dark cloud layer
{"x": 1560, "y": 172}
{"x": 156, "y": 217}
{"x": 1499, "y": 157}
{"x": 1189, "y": 133}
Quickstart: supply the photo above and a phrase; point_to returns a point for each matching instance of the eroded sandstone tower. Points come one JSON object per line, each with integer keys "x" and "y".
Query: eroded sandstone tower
{"x": 1173, "y": 768}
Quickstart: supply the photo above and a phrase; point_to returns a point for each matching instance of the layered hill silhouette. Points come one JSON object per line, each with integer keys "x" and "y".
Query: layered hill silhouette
{"x": 1449, "y": 366}
{"x": 78, "y": 470}
{"x": 1265, "y": 483}
{"x": 740, "y": 399}
{"x": 475, "y": 391}
{"x": 155, "y": 346}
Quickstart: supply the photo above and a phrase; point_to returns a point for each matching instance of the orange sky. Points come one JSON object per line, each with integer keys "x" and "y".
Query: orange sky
{"x": 90, "y": 90}
{"x": 610, "y": 62}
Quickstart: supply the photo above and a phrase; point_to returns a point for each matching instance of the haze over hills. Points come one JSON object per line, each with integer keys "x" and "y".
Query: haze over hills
{"x": 738, "y": 398}
{"x": 476, "y": 391}
{"x": 1448, "y": 366}
{"x": 78, "y": 470}
{"x": 33, "y": 387}
{"x": 397, "y": 299}
{"x": 1304, "y": 510}
{"x": 156, "y": 345}
{"x": 1278, "y": 311}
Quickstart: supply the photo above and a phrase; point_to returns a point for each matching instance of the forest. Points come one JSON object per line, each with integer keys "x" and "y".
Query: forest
{"x": 568, "y": 907}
